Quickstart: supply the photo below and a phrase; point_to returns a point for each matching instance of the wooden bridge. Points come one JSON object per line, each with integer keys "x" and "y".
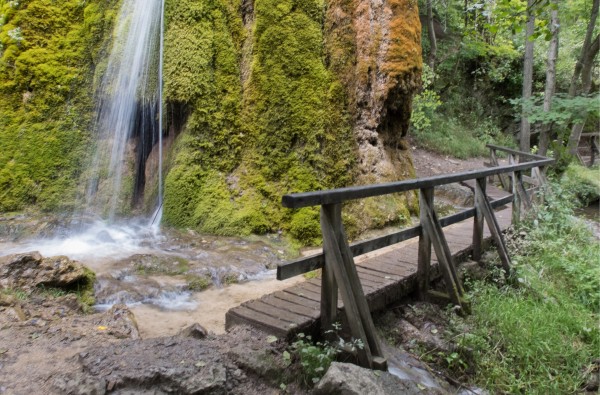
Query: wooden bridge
{"x": 390, "y": 267}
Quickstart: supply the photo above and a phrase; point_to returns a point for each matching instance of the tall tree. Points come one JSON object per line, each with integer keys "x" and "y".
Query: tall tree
{"x": 431, "y": 36}
{"x": 525, "y": 134}
{"x": 583, "y": 70}
{"x": 587, "y": 42}
{"x": 550, "y": 76}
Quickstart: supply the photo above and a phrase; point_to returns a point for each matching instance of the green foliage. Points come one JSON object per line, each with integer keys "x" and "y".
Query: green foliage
{"x": 454, "y": 137}
{"x": 538, "y": 333}
{"x": 316, "y": 357}
{"x": 47, "y": 52}
{"x": 564, "y": 111}
{"x": 425, "y": 103}
{"x": 581, "y": 183}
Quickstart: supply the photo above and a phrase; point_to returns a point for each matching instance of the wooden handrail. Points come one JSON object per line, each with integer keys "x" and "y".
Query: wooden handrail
{"x": 313, "y": 262}
{"x": 335, "y": 196}
{"x": 515, "y": 152}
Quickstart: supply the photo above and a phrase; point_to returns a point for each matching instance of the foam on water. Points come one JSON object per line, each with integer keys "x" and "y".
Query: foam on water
{"x": 167, "y": 300}
{"x": 94, "y": 243}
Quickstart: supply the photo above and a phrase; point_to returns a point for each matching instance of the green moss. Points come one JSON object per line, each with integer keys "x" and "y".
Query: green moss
{"x": 45, "y": 100}
{"x": 197, "y": 282}
{"x": 85, "y": 292}
{"x": 286, "y": 131}
{"x": 151, "y": 265}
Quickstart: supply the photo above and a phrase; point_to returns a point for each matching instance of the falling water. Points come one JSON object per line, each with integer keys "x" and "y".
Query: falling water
{"x": 129, "y": 110}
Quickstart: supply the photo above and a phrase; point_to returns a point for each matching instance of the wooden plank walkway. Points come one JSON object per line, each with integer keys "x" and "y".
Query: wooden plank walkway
{"x": 387, "y": 275}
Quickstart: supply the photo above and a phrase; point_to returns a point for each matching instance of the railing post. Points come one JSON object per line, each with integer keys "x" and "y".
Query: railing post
{"x": 424, "y": 259}
{"x": 478, "y": 222}
{"x": 511, "y": 178}
{"x": 521, "y": 197}
{"x": 329, "y": 289}
{"x": 340, "y": 260}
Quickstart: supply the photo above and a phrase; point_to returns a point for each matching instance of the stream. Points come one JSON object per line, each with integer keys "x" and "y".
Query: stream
{"x": 169, "y": 279}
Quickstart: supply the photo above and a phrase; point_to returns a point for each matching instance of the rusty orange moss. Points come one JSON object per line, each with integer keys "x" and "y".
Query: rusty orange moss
{"x": 404, "y": 54}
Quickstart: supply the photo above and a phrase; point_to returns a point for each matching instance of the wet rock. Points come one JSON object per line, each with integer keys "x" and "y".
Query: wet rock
{"x": 79, "y": 383}
{"x": 120, "y": 322}
{"x": 348, "y": 379}
{"x": 104, "y": 237}
{"x": 426, "y": 337}
{"x": 15, "y": 314}
{"x": 71, "y": 302}
{"x": 184, "y": 366}
{"x": 195, "y": 331}
{"x": 29, "y": 270}
{"x": 261, "y": 362}
{"x": 8, "y": 300}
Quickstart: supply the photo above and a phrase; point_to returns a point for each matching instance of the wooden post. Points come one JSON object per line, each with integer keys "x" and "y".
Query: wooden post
{"x": 346, "y": 276}
{"x": 424, "y": 259}
{"x": 504, "y": 180}
{"x": 521, "y": 189}
{"x": 329, "y": 289}
{"x": 516, "y": 205}
{"x": 511, "y": 161}
{"x": 484, "y": 206}
{"x": 478, "y": 224}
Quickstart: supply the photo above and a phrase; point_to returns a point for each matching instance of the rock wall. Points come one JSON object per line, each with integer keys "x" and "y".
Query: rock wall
{"x": 263, "y": 98}
{"x": 288, "y": 96}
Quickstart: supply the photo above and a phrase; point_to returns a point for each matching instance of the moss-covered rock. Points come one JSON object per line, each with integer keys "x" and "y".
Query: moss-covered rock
{"x": 47, "y": 56}
{"x": 285, "y": 130}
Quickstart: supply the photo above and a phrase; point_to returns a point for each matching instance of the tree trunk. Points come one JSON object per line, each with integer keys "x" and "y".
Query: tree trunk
{"x": 525, "y": 135}
{"x": 431, "y": 35}
{"x": 573, "y": 88}
{"x": 586, "y": 81}
{"x": 550, "y": 80}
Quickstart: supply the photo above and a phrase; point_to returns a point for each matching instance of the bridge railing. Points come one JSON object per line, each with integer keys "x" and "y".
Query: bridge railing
{"x": 337, "y": 259}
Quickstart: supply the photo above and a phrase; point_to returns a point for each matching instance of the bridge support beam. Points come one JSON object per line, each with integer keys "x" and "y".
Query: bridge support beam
{"x": 485, "y": 210}
{"x": 432, "y": 234}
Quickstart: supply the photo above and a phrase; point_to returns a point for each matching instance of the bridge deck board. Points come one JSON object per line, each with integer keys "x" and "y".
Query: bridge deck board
{"x": 385, "y": 277}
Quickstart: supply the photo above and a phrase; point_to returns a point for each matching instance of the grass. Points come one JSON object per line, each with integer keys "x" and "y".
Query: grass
{"x": 538, "y": 332}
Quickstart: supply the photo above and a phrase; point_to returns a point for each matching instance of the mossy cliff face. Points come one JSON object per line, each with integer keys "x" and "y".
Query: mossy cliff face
{"x": 263, "y": 98}
{"x": 48, "y": 51}
{"x": 287, "y": 96}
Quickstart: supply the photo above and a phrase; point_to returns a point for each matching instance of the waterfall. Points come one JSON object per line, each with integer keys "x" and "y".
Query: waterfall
{"x": 129, "y": 120}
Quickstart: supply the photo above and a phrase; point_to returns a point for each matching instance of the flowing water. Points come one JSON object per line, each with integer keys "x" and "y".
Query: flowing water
{"x": 129, "y": 110}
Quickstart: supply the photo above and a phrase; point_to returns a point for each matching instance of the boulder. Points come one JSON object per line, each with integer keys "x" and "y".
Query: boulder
{"x": 119, "y": 322}
{"x": 195, "y": 331}
{"x": 348, "y": 379}
{"x": 29, "y": 270}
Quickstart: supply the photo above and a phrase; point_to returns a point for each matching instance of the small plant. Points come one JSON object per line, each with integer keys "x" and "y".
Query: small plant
{"x": 316, "y": 357}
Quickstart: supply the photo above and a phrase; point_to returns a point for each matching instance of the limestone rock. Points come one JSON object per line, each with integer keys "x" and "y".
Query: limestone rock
{"x": 348, "y": 379}
{"x": 79, "y": 383}
{"x": 29, "y": 270}
{"x": 120, "y": 322}
{"x": 195, "y": 331}
{"x": 260, "y": 362}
